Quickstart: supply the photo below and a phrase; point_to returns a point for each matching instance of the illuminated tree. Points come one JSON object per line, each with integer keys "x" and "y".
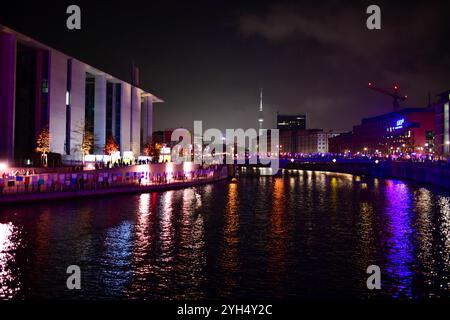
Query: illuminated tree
{"x": 156, "y": 151}
{"x": 153, "y": 150}
{"x": 111, "y": 146}
{"x": 148, "y": 149}
{"x": 43, "y": 144}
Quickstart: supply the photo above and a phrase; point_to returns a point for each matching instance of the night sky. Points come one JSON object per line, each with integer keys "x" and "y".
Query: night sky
{"x": 208, "y": 59}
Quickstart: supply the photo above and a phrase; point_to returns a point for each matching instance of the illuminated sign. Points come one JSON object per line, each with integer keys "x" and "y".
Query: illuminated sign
{"x": 398, "y": 124}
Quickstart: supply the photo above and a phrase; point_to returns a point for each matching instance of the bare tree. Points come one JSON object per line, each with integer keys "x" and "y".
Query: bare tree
{"x": 87, "y": 142}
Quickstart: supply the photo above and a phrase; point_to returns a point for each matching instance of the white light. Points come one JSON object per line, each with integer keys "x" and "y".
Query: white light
{"x": 376, "y": 161}
{"x": 3, "y": 165}
{"x": 292, "y": 160}
{"x": 334, "y": 160}
{"x": 447, "y": 142}
{"x": 67, "y": 98}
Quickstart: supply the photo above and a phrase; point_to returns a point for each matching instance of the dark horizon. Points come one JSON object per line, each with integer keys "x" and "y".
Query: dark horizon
{"x": 208, "y": 60}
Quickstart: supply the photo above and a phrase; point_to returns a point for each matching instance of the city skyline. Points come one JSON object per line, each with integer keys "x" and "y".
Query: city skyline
{"x": 317, "y": 61}
{"x": 265, "y": 154}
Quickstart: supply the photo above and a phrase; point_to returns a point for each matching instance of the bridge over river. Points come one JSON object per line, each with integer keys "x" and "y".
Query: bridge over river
{"x": 432, "y": 173}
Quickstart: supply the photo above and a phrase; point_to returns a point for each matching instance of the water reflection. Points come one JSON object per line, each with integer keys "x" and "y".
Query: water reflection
{"x": 399, "y": 245}
{"x": 444, "y": 222}
{"x": 192, "y": 245}
{"x": 424, "y": 208}
{"x": 229, "y": 263}
{"x": 8, "y": 286}
{"x": 277, "y": 244}
{"x": 141, "y": 256}
{"x": 310, "y": 234}
{"x": 166, "y": 229}
{"x": 116, "y": 260}
{"x": 366, "y": 232}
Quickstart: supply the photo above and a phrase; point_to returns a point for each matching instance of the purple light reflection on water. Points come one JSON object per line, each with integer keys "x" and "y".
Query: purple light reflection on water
{"x": 311, "y": 235}
{"x": 398, "y": 245}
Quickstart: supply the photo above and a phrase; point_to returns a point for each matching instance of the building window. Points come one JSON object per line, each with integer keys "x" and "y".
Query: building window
{"x": 45, "y": 86}
{"x": 68, "y": 109}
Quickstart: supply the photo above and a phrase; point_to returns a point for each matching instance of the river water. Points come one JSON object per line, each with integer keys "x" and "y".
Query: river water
{"x": 308, "y": 235}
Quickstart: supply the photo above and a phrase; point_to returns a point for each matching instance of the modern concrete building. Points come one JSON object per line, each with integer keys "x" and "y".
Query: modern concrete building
{"x": 313, "y": 140}
{"x": 290, "y": 126}
{"x": 43, "y": 87}
{"x": 442, "y": 124}
{"x": 308, "y": 141}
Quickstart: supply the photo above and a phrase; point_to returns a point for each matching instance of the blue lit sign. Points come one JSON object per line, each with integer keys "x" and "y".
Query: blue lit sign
{"x": 399, "y": 124}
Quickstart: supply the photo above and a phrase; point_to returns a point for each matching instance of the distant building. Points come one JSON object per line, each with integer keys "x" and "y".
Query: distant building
{"x": 305, "y": 141}
{"x": 165, "y": 136}
{"x": 308, "y": 141}
{"x": 289, "y": 126}
{"x": 442, "y": 124}
{"x": 291, "y": 122}
{"x": 288, "y": 141}
{"x": 403, "y": 131}
{"x": 313, "y": 141}
{"x": 341, "y": 143}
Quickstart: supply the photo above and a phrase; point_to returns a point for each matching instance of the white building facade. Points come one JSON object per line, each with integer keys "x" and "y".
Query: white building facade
{"x": 42, "y": 87}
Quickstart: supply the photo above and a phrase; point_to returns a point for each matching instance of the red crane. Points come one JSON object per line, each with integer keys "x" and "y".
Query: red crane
{"x": 395, "y": 94}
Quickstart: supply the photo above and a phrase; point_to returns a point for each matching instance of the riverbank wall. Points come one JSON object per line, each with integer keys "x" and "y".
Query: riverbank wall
{"x": 133, "y": 179}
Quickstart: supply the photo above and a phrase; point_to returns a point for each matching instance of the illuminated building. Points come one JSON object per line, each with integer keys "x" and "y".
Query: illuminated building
{"x": 305, "y": 141}
{"x": 442, "y": 124}
{"x": 407, "y": 130}
{"x": 41, "y": 87}
{"x": 291, "y": 122}
{"x": 290, "y": 127}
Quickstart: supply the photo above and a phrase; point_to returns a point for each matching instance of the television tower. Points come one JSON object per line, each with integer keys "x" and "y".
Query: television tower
{"x": 260, "y": 117}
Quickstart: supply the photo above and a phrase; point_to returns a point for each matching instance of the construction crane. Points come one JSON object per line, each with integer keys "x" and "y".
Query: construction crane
{"x": 395, "y": 94}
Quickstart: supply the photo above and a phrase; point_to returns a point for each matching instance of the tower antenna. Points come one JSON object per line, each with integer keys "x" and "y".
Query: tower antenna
{"x": 260, "y": 117}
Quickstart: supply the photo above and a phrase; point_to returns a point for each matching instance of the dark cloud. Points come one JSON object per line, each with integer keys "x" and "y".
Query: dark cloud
{"x": 208, "y": 59}
{"x": 336, "y": 54}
